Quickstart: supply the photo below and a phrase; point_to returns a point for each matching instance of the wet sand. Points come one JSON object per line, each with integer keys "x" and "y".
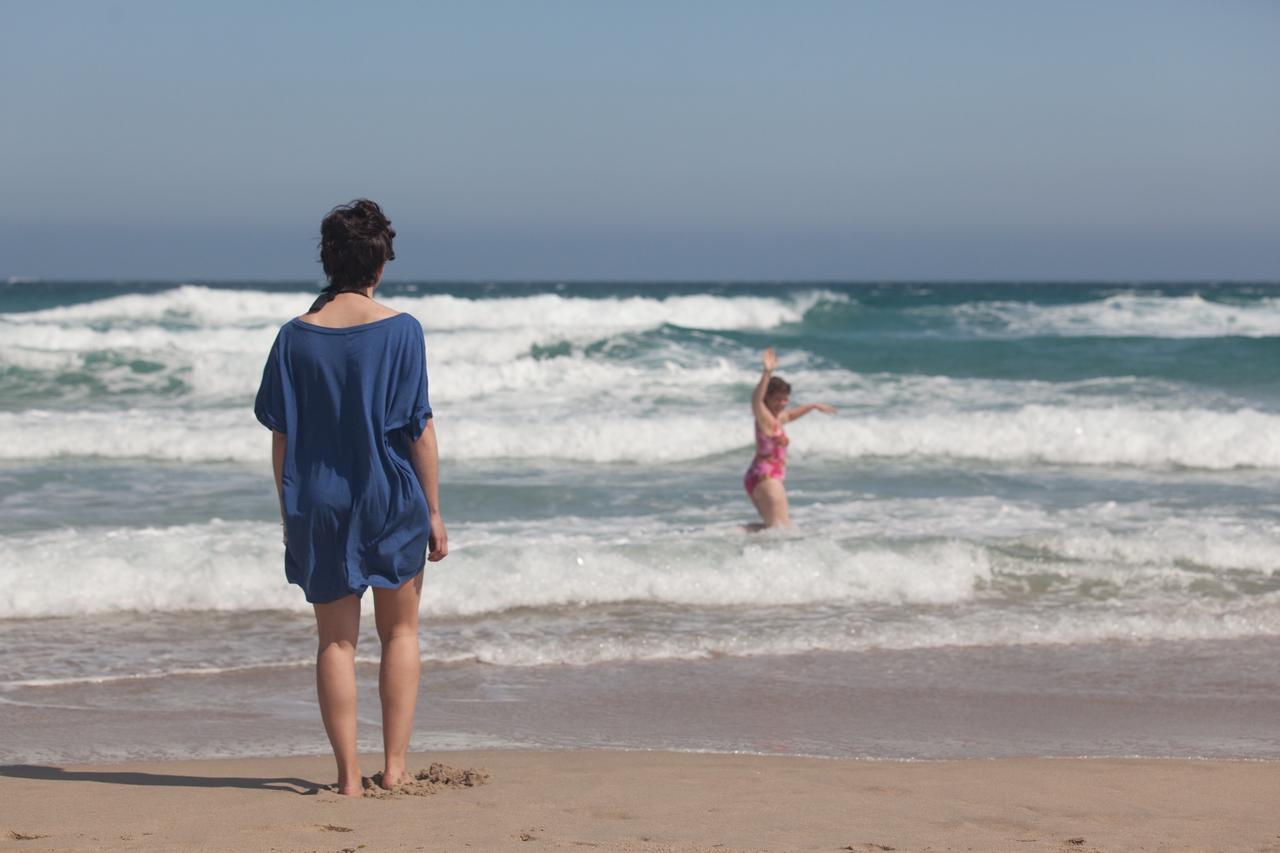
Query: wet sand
{"x": 1218, "y": 699}
{"x": 652, "y": 801}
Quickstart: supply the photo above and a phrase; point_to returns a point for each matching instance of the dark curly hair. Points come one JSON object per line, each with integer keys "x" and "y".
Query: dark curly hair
{"x": 777, "y": 385}
{"x": 355, "y": 243}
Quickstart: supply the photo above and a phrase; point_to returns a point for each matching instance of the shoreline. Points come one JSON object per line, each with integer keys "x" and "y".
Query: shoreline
{"x": 653, "y": 801}
{"x": 1203, "y": 699}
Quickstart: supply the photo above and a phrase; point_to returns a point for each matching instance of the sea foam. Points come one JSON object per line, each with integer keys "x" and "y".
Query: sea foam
{"x": 563, "y": 593}
{"x": 1124, "y": 436}
{"x": 1125, "y": 315}
{"x": 191, "y": 307}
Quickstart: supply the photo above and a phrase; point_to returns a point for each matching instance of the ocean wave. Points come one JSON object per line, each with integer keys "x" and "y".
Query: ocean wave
{"x": 208, "y": 346}
{"x": 227, "y": 366}
{"x": 1034, "y": 434}
{"x": 163, "y": 435}
{"x": 191, "y": 308}
{"x": 1063, "y": 435}
{"x": 1122, "y": 315}
{"x": 1168, "y": 620}
{"x": 144, "y": 319}
{"x": 239, "y": 566}
{"x": 497, "y": 568}
{"x": 614, "y": 634}
{"x": 509, "y": 373}
{"x": 214, "y": 566}
{"x": 543, "y": 595}
{"x": 1107, "y": 533}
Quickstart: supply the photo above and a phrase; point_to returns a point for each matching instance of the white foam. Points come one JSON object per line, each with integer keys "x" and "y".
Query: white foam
{"x": 573, "y": 591}
{"x": 1125, "y": 315}
{"x": 214, "y": 566}
{"x": 1097, "y": 535}
{"x": 1068, "y": 626}
{"x": 1066, "y": 435}
{"x": 188, "y": 306}
{"x": 562, "y": 571}
{"x": 193, "y": 307}
{"x": 209, "y": 345}
{"x": 551, "y": 311}
{"x": 168, "y": 435}
{"x": 1173, "y": 543}
{"x": 238, "y": 566}
{"x": 1127, "y": 436}
{"x": 498, "y": 567}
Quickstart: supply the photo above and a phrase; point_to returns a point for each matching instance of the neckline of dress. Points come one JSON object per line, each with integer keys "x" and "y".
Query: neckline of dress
{"x": 338, "y": 329}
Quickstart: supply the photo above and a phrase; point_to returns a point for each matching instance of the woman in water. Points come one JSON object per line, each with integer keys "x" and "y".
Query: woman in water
{"x": 768, "y": 469}
{"x": 344, "y": 393}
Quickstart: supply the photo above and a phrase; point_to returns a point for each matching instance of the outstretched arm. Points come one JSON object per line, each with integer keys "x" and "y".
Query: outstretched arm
{"x": 800, "y": 411}
{"x": 763, "y": 416}
{"x": 425, "y": 459}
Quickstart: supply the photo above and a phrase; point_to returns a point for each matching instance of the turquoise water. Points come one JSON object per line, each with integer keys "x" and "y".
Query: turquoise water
{"x": 1013, "y": 466}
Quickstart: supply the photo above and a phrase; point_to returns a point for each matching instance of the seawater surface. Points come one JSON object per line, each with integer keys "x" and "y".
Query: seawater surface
{"x": 1066, "y": 478}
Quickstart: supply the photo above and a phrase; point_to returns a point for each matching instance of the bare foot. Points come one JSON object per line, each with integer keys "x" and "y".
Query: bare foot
{"x": 350, "y": 788}
{"x": 387, "y": 781}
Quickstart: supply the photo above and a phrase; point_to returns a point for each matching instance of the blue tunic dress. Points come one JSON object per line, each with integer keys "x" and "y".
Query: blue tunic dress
{"x": 349, "y": 401}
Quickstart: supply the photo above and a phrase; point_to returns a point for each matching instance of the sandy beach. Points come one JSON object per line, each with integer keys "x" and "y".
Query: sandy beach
{"x": 653, "y": 801}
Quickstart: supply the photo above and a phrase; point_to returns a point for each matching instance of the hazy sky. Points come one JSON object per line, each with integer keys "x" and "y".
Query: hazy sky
{"x": 683, "y": 140}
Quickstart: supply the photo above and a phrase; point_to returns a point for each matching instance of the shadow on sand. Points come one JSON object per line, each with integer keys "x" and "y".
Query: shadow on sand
{"x": 109, "y": 777}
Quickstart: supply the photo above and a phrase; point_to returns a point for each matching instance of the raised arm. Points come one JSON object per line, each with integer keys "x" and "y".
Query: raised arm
{"x": 425, "y": 459}
{"x": 800, "y": 411}
{"x": 763, "y": 416}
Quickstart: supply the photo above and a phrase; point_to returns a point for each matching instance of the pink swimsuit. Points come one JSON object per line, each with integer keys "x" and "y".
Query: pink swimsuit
{"x": 771, "y": 458}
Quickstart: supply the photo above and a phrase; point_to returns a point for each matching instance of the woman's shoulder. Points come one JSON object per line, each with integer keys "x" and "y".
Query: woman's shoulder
{"x": 404, "y": 327}
{"x": 407, "y": 320}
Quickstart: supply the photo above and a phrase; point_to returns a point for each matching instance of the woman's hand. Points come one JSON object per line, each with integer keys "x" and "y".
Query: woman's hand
{"x": 439, "y": 539}
{"x": 824, "y": 408}
{"x": 770, "y": 361}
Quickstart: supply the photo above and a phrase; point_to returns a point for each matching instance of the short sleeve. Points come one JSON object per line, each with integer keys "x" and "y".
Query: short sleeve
{"x": 269, "y": 406}
{"x": 409, "y": 407}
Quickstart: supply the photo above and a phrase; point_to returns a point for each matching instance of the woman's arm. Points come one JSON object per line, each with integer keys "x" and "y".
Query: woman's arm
{"x": 278, "y": 442}
{"x": 763, "y": 416}
{"x": 800, "y": 411}
{"x": 425, "y": 459}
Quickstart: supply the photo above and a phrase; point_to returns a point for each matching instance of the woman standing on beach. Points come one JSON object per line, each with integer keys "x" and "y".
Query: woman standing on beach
{"x": 344, "y": 393}
{"x": 768, "y": 469}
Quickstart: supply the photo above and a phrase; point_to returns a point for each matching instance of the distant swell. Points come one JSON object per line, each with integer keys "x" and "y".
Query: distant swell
{"x": 191, "y": 307}
{"x": 1125, "y": 315}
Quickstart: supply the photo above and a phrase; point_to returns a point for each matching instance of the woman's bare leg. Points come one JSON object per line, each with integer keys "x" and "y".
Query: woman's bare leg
{"x": 396, "y": 612}
{"x": 339, "y": 627}
{"x": 770, "y": 498}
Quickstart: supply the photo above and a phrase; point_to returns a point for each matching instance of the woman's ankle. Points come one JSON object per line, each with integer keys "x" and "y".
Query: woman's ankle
{"x": 395, "y": 774}
{"x": 351, "y": 787}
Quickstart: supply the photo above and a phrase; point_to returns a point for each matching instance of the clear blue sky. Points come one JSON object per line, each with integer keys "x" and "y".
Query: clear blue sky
{"x": 683, "y": 140}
